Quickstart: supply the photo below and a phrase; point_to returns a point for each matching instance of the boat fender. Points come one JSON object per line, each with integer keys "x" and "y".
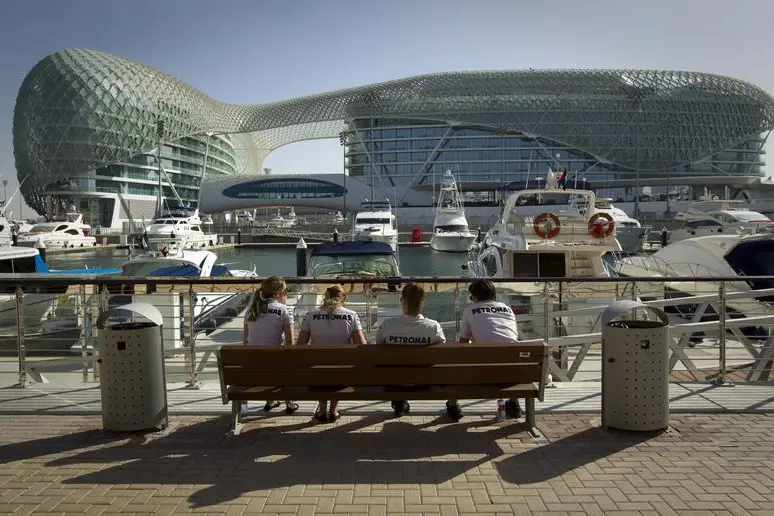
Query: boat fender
{"x": 601, "y": 225}
{"x": 547, "y": 225}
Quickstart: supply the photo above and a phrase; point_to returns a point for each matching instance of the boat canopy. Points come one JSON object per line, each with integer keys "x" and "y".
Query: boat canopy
{"x": 352, "y": 248}
{"x": 187, "y": 269}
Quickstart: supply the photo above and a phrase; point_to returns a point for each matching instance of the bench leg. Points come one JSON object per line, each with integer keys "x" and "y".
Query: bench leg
{"x": 530, "y": 419}
{"x": 236, "y": 417}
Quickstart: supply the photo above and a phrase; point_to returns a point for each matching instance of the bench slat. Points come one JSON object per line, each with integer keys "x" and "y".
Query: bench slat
{"x": 373, "y": 376}
{"x": 387, "y": 354}
{"x": 379, "y": 393}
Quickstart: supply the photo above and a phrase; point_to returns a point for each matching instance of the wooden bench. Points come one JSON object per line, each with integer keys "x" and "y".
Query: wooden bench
{"x": 438, "y": 372}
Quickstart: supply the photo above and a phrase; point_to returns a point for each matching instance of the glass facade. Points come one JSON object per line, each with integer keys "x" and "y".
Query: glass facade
{"x": 414, "y": 154}
{"x": 288, "y": 189}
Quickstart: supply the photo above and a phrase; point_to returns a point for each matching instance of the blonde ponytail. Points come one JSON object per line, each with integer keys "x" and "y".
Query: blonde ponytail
{"x": 334, "y": 298}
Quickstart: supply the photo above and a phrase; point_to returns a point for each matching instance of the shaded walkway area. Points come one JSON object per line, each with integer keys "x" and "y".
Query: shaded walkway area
{"x": 372, "y": 464}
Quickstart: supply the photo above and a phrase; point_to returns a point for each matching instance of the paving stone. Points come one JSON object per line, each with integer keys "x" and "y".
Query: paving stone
{"x": 708, "y": 464}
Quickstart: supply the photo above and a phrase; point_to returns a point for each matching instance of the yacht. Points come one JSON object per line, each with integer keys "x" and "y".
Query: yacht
{"x": 210, "y": 310}
{"x": 179, "y": 228}
{"x": 376, "y": 222}
{"x": 352, "y": 264}
{"x": 50, "y": 324}
{"x": 549, "y": 233}
{"x": 69, "y": 232}
{"x": 450, "y": 228}
{"x": 290, "y": 219}
{"x": 628, "y": 231}
{"x": 277, "y": 221}
{"x": 718, "y": 217}
{"x": 708, "y": 257}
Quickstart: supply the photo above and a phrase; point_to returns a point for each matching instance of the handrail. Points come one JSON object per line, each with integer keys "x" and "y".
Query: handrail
{"x": 66, "y": 279}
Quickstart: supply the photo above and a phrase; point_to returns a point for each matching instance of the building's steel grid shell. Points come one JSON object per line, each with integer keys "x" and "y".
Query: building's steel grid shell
{"x": 79, "y": 109}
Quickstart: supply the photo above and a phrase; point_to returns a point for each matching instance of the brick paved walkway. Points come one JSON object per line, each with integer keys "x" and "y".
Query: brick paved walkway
{"x": 705, "y": 464}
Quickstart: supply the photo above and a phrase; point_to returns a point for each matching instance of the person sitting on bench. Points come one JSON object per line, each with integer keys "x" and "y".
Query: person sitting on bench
{"x": 267, "y": 323}
{"x": 486, "y": 321}
{"x": 331, "y": 325}
{"x": 412, "y": 329}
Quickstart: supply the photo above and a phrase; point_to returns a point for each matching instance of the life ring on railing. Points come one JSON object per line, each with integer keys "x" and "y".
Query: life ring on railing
{"x": 601, "y": 225}
{"x": 547, "y": 225}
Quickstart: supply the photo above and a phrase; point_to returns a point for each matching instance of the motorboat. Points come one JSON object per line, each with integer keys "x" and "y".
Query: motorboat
{"x": 711, "y": 217}
{"x": 210, "y": 310}
{"x": 376, "y": 222}
{"x": 551, "y": 233}
{"x": 450, "y": 228}
{"x": 353, "y": 264}
{"x": 178, "y": 228}
{"x": 48, "y": 313}
{"x": 631, "y": 235}
{"x": 290, "y": 219}
{"x": 69, "y": 232}
{"x": 696, "y": 262}
{"x": 278, "y": 221}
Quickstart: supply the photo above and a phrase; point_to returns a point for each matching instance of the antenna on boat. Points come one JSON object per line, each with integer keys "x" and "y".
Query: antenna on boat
{"x": 8, "y": 201}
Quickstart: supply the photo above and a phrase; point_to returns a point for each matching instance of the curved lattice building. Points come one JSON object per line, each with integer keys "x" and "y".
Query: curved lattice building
{"x": 83, "y": 116}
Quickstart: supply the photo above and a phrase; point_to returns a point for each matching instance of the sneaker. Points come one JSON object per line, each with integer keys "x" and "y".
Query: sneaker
{"x": 513, "y": 409}
{"x": 401, "y": 408}
{"x": 454, "y": 411}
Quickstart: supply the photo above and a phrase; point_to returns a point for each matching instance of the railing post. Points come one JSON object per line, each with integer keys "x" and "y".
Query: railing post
{"x": 457, "y": 310}
{"x": 721, "y": 379}
{"x": 24, "y": 381}
{"x": 193, "y": 380}
{"x": 85, "y": 313}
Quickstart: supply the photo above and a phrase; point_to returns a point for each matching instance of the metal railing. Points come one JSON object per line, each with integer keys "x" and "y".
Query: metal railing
{"x": 720, "y": 330}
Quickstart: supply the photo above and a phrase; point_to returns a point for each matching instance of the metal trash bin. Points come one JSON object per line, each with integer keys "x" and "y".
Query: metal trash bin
{"x": 635, "y": 369}
{"x": 133, "y": 377}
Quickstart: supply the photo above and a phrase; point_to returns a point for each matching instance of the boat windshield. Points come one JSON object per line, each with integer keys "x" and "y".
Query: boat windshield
{"x": 453, "y": 228}
{"x": 750, "y": 216}
{"x": 370, "y": 265}
{"x": 145, "y": 268}
{"x": 754, "y": 258}
{"x": 43, "y": 228}
{"x": 372, "y": 220}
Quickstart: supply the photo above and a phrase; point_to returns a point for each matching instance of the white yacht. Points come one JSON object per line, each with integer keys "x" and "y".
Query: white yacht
{"x": 721, "y": 256}
{"x": 69, "y": 232}
{"x": 628, "y": 231}
{"x": 376, "y": 222}
{"x": 549, "y": 233}
{"x": 290, "y": 218}
{"x": 278, "y": 221}
{"x": 180, "y": 228}
{"x": 450, "y": 228}
{"x": 718, "y": 217}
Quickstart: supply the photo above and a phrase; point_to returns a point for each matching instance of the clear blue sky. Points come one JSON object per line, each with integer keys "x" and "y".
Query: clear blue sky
{"x": 252, "y": 51}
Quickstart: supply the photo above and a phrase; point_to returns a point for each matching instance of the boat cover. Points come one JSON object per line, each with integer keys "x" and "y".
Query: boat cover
{"x": 352, "y": 248}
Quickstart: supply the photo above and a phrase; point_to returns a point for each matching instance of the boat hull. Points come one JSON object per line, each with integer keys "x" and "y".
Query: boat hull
{"x": 452, "y": 243}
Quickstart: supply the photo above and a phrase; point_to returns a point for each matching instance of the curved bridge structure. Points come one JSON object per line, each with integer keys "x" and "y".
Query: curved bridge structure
{"x": 78, "y": 110}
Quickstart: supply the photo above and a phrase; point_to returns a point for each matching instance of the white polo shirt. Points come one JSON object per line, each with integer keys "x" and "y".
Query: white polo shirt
{"x": 269, "y": 328}
{"x": 331, "y": 327}
{"x": 412, "y": 330}
{"x": 489, "y": 322}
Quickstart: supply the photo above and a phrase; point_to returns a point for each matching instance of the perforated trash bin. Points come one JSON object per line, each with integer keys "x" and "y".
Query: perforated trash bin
{"x": 133, "y": 379}
{"x": 635, "y": 368}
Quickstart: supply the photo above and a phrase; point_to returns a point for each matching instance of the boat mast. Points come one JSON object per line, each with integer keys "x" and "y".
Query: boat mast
{"x": 160, "y": 197}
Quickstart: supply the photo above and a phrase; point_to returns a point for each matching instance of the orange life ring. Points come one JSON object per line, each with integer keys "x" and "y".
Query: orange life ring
{"x": 547, "y": 225}
{"x": 601, "y": 225}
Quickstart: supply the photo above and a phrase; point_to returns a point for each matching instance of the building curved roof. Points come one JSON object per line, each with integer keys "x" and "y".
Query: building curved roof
{"x": 80, "y": 109}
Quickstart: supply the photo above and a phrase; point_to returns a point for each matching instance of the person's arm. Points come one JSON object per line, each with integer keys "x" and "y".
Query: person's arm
{"x": 305, "y": 333}
{"x": 465, "y": 333}
{"x": 357, "y": 337}
{"x": 289, "y": 334}
{"x": 440, "y": 338}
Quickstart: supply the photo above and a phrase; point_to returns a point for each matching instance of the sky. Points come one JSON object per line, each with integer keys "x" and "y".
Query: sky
{"x": 255, "y": 51}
